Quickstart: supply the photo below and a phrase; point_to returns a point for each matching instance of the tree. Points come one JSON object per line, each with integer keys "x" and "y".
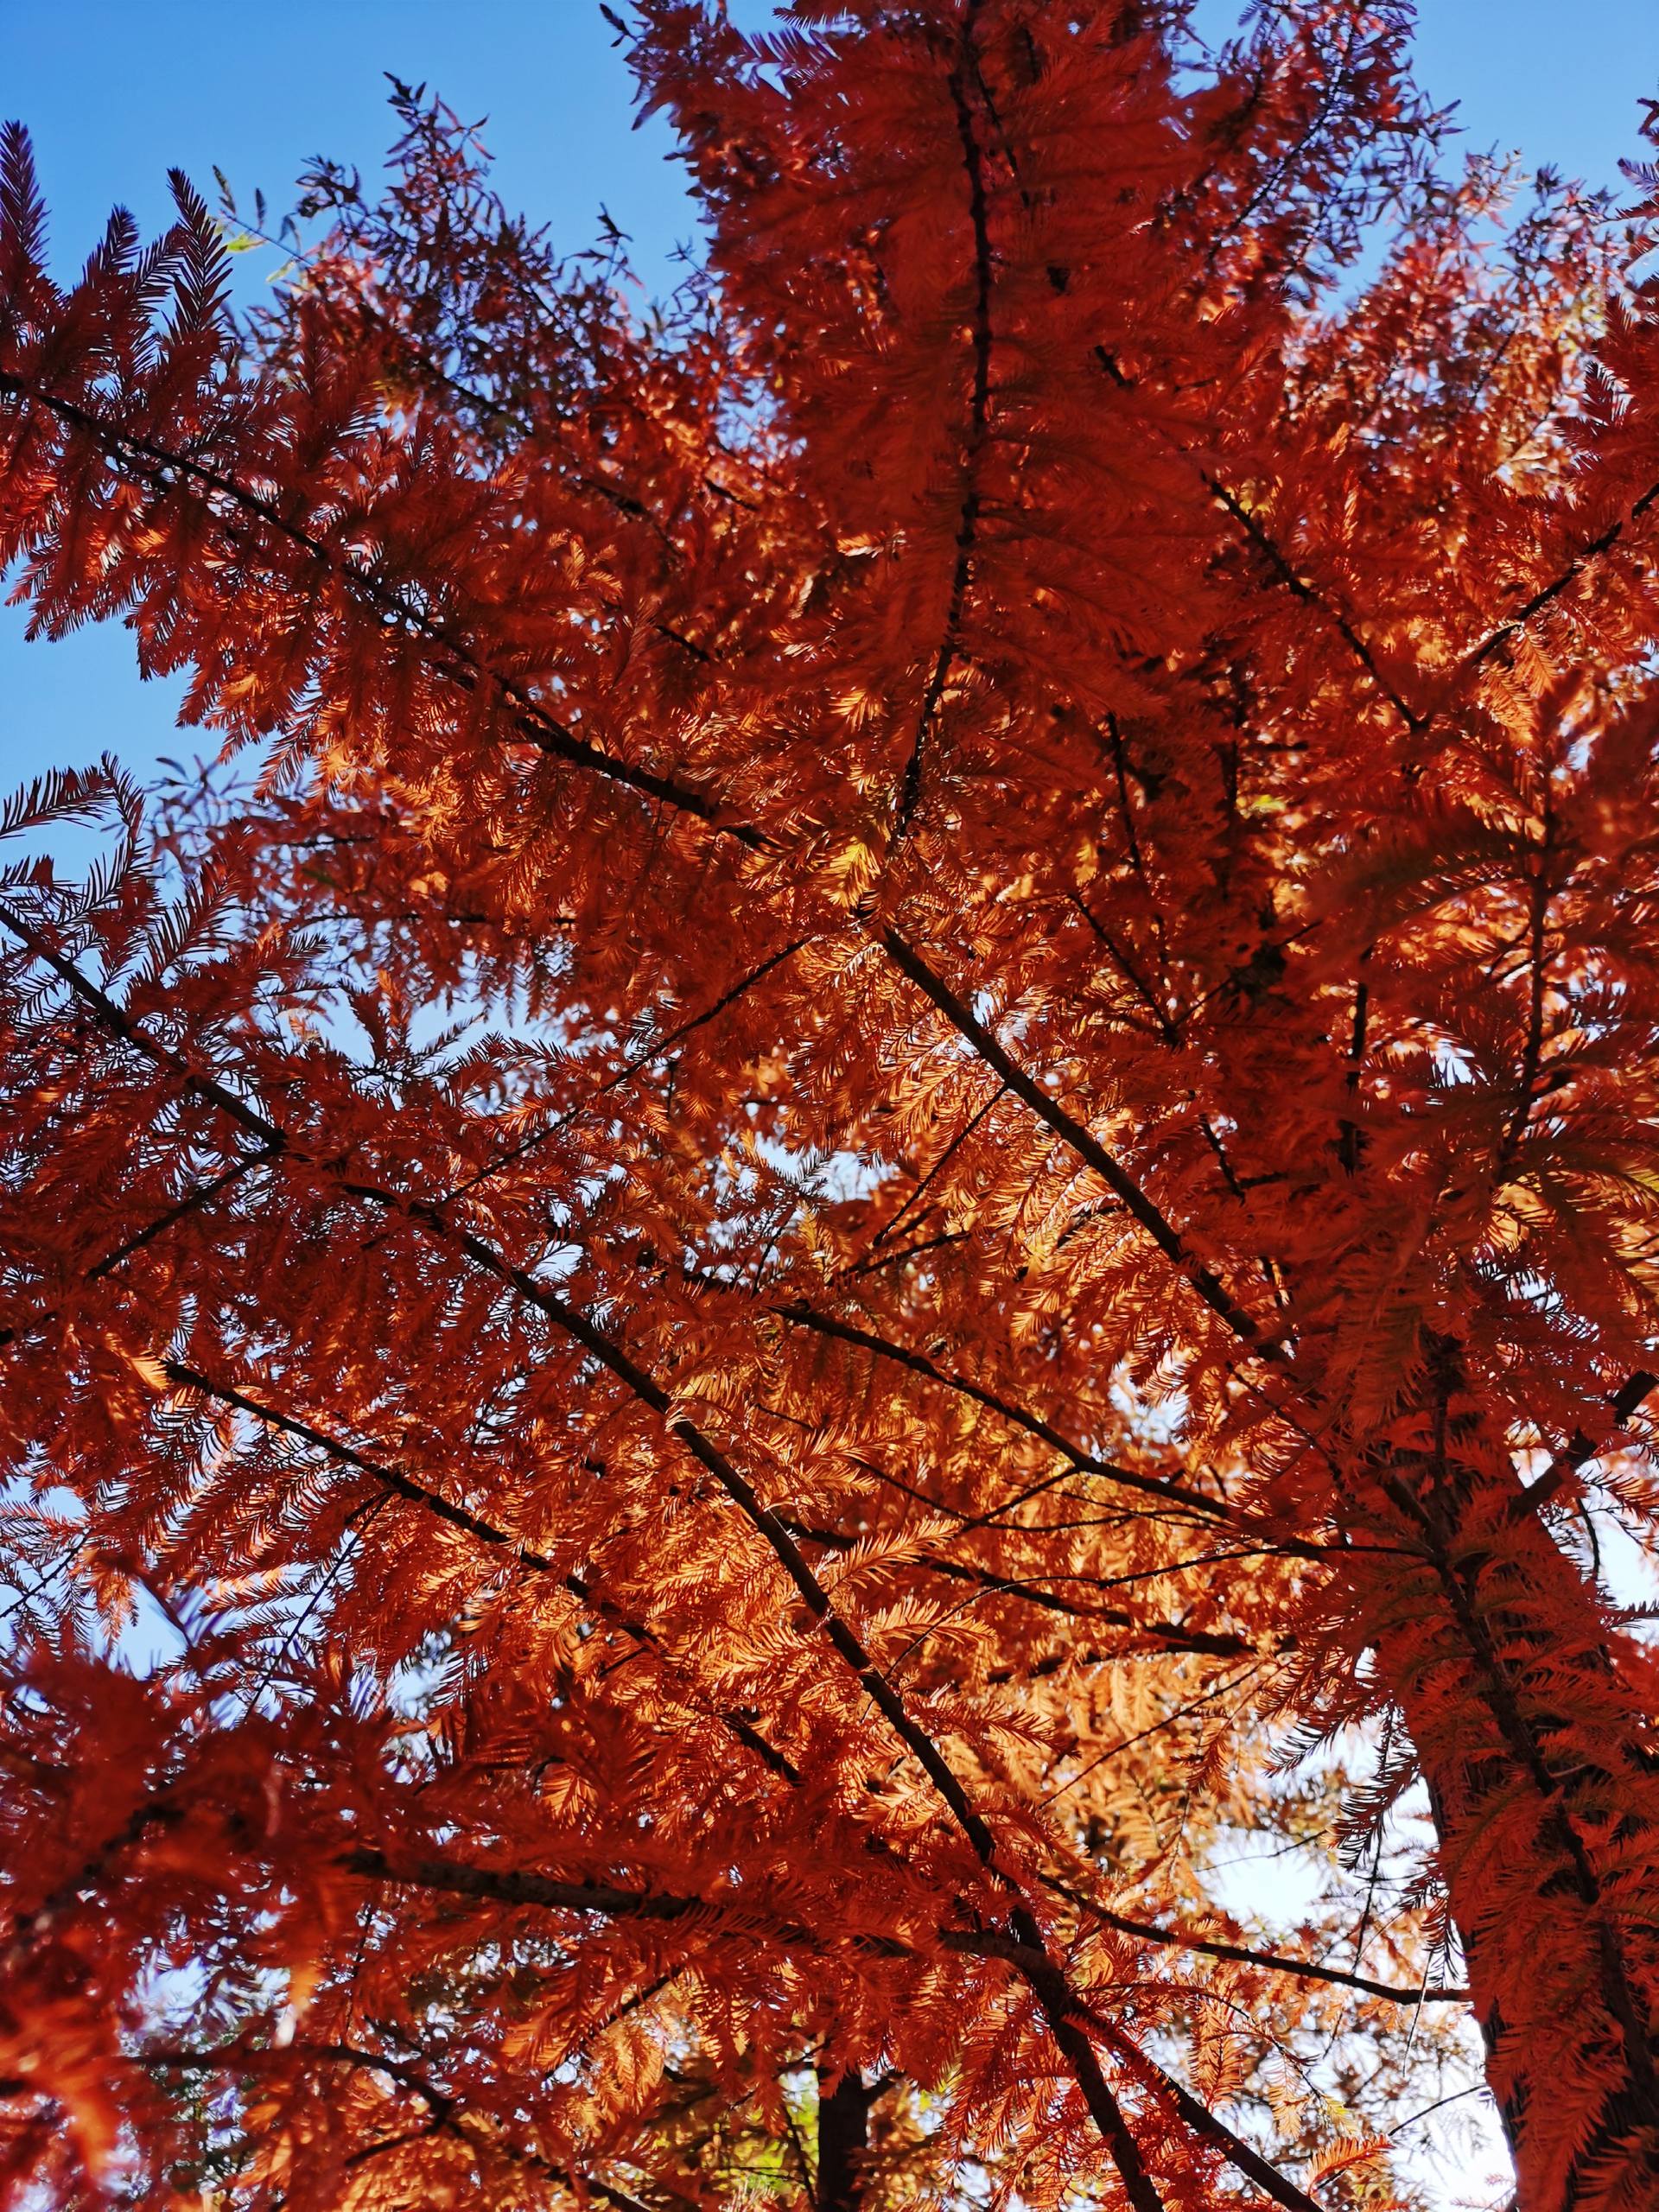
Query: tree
{"x": 902, "y": 1165}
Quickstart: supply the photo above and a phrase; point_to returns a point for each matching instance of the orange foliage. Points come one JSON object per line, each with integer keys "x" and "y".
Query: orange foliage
{"x": 902, "y": 1171}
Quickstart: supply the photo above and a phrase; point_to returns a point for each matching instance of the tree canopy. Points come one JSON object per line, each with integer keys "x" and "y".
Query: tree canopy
{"x": 879, "y": 1167}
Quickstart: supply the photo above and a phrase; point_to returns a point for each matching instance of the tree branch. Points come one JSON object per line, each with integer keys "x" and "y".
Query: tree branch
{"x": 978, "y": 415}
{"x": 404, "y": 1485}
{"x": 1083, "y": 1142}
{"x": 154, "y": 464}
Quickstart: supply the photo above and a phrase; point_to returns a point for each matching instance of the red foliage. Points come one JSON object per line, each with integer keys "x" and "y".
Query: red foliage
{"x": 1030, "y": 1244}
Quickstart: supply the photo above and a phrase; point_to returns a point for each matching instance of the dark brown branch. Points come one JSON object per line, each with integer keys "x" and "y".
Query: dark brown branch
{"x": 926, "y": 1181}
{"x": 1525, "y": 1746}
{"x": 1064, "y": 2012}
{"x": 1170, "y": 1635}
{"x": 404, "y": 1485}
{"x": 1537, "y": 963}
{"x": 116, "y": 1018}
{"x": 1211, "y": 2129}
{"x": 513, "y": 1885}
{"x": 1284, "y": 573}
{"x": 1351, "y": 1138}
{"x": 978, "y": 415}
{"x": 1146, "y": 1931}
{"x": 1546, "y": 595}
{"x": 390, "y": 1478}
{"x": 1082, "y": 1140}
{"x": 1300, "y": 589}
{"x": 631, "y": 1068}
{"x": 200, "y": 1195}
{"x": 1581, "y": 1449}
{"x": 801, "y": 1316}
{"x": 157, "y": 465}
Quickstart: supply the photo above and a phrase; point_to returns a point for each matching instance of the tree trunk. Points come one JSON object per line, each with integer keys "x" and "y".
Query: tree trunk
{"x": 843, "y": 2140}
{"x": 1532, "y": 1725}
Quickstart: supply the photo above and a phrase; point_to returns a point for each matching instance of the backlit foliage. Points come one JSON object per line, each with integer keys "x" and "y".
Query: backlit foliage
{"x": 898, "y": 1180}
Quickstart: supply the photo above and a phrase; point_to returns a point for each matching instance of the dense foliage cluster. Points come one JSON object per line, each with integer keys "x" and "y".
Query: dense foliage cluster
{"x": 898, "y": 1179}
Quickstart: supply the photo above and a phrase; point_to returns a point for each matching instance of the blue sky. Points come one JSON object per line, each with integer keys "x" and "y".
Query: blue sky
{"x": 116, "y": 92}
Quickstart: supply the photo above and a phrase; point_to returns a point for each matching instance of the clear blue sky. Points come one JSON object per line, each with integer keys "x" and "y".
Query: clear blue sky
{"x": 117, "y": 90}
